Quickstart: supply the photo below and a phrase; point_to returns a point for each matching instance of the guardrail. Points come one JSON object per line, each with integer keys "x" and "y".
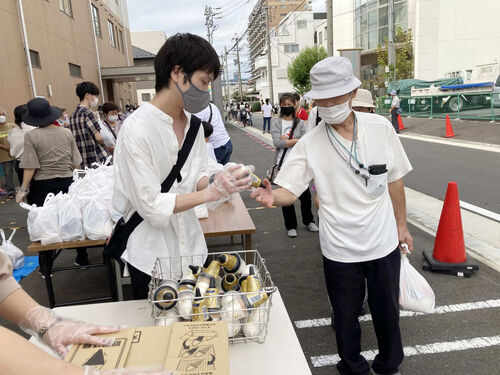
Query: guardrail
{"x": 479, "y": 106}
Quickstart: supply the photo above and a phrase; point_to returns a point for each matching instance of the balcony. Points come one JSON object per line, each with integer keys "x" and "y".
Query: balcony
{"x": 261, "y": 62}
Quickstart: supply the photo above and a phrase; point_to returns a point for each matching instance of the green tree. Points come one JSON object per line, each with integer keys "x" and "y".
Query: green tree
{"x": 299, "y": 68}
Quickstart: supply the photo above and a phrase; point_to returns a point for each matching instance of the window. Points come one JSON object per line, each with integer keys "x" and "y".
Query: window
{"x": 320, "y": 37}
{"x": 111, "y": 30}
{"x": 302, "y": 24}
{"x": 97, "y": 22}
{"x": 65, "y": 6}
{"x": 75, "y": 70}
{"x": 146, "y": 97}
{"x": 35, "y": 59}
{"x": 120, "y": 36}
{"x": 117, "y": 39}
{"x": 289, "y": 48}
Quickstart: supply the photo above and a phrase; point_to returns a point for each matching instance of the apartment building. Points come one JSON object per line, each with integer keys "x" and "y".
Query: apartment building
{"x": 68, "y": 41}
{"x": 277, "y": 11}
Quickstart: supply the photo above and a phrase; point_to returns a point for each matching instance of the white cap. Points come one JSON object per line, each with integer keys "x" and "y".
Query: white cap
{"x": 332, "y": 77}
{"x": 363, "y": 98}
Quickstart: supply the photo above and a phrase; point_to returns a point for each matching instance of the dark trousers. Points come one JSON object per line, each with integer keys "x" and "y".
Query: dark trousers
{"x": 19, "y": 171}
{"x": 223, "y": 153}
{"x": 394, "y": 119}
{"x": 305, "y": 209}
{"x": 345, "y": 283}
{"x": 139, "y": 281}
{"x": 267, "y": 120}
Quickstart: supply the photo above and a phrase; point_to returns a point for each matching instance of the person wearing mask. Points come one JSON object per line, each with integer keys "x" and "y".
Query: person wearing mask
{"x": 358, "y": 164}
{"x": 6, "y": 160}
{"x": 64, "y": 119}
{"x": 49, "y": 157}
{"x": 219, "y": 139}
{"x": 286, "y": 132}
{"x": 146, "y": 152}
{"x": 85, "y": 126}
{"x": 111, "y": 123}
{"x": 363, "y": 102}
{"x": 300, "y": 112}
{"x": 267, "y": 114}
{"x": 395, "y": 110}
{"x": 16, "y": 139}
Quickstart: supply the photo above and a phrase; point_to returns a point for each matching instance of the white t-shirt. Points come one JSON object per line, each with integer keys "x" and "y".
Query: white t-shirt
{"x": 311, "y": 120}
{"x": 16, "y": 139}
{"x": 219, "y": 137}
{"x": 395, "y": 102}
{"x": 107, "y": 136}
{"x": 355, "y": 225}
{"x": 286, "y": 128}
{"x": 210, "y": 151}
{"x": 267, "y": 110}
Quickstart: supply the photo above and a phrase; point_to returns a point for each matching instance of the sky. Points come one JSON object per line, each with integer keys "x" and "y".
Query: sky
{"x": 174, "y": 16}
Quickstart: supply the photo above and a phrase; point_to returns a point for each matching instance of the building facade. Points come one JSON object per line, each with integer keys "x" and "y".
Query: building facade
{"x": 69, "y": 41}
{"x": 150, "y": 41}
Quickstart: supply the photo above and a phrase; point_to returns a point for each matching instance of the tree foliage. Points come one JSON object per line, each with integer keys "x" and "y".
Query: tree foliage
{"x": 299, "y": 68}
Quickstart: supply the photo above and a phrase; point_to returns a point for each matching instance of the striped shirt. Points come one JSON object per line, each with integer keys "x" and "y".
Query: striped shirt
{"x": 84, "y": 125}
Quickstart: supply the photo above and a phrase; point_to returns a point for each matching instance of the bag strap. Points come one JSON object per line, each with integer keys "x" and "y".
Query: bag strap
{"x": 211, "y": 113}
{"x": 295, "y": 122}
{"x": 2, "y": 234}
{"x": 11, "y": 235}
{"x": 318, "y": 119}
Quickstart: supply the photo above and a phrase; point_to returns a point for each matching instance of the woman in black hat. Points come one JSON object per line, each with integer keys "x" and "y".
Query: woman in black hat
{"x": 50, "y": 154}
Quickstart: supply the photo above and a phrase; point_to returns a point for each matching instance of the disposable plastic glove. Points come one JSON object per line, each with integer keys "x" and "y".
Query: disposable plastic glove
{"x": 233, "y": 179}
{"x": 58, "y": 333}
{"x": 21, "y": 196}
{"x": 123, "y": 371}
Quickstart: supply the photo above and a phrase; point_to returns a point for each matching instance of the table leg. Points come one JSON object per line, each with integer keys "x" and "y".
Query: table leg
{"x": 45, "y": 261}
{"x": 247, "y": 245}
{"x": 111, "y": 271}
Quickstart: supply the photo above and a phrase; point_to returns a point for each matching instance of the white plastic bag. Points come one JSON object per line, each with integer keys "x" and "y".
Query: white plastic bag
{"x": 70, "y": 219}
{"x": 415, "y": 293}
{"x": 47, "y": 221}
{"x": 34, "y": 231}
{"x": 97, "y": 223}
{"x": 13, "y": 252}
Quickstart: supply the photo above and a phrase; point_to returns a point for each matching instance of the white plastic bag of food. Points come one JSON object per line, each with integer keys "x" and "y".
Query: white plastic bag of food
{"x": 97, "y": 223}
{"x": 70, "y": 219}
{"x": 47, "y": 220}
{"x": 13, "y": 252}
{"x": 34, "y": 231}
{"x": 415, "y": 293}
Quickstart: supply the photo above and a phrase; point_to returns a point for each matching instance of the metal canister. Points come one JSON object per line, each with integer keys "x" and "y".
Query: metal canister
{"x": 200, "y": 310}
{"x": 165, "y": 296}
{"x": 232, "y": 263}
{"x": 230, "y": 282}
{"x": 250, "y": 282}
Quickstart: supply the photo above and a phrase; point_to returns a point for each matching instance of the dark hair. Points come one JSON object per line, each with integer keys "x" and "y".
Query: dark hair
{"x": 86, "y": 88}
{"x": 190, "y": 52}
{"x": 296, "y": 97}
{"x": 208, "y": 129}
{"x": 289, "y": 96}
{"x": 108, "y": 107}
{"x": 19, "y": 111}
{"x": 268, "y": 100}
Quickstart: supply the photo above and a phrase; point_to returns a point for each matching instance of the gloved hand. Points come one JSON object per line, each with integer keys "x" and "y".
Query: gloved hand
{"x": 234, "y": 178}
{"x": 21, "y": 196}
{"x": 58, "y": 333}
{"x": 124, "y": 371}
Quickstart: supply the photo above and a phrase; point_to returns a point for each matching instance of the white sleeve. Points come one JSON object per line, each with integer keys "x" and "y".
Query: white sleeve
{"x": 311, "y": 120}
{"x": 295, "y": 174}
{"x": 399, "y": 165}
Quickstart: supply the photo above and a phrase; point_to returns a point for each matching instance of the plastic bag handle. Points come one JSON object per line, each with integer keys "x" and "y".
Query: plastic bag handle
{"x": 26, "y": 206}
{"x": 48, "y": 198}
{"x": 405, "y": 246}
{"x": 2, "y": 234}
{"x": 11, "y": 235}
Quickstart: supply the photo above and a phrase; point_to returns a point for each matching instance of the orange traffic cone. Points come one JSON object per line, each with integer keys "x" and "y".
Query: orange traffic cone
{"x": 400, "y": 123}
{"x": 449, "y": 246}
{"x": 449, "y": 129}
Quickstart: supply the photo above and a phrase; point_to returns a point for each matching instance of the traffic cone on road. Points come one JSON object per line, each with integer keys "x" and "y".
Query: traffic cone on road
{"x": 400, "y": 123}
{"x": 449, "y": 129}
{"x": 449, "y": 246}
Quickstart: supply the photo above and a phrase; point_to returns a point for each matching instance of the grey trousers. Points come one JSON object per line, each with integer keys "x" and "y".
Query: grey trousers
{"x": 8, "y": 171}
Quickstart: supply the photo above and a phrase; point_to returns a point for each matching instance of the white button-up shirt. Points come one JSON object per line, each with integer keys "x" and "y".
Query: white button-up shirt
{"x": 146, "y": 150}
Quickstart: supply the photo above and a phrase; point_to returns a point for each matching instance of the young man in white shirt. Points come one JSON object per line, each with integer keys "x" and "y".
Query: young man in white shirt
{"x": 267, "y": 113}
{"x": 146, "y": 151}
{"x": 357, "y": 163}
{"x": 395, "y": 110}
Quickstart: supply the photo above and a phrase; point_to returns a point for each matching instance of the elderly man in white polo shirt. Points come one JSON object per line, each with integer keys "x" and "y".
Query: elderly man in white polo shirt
{"x": 357, "y": 163}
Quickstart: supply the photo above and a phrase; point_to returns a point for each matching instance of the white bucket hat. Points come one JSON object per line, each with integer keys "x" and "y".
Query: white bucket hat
{"x": 332, "y": 77}
{"x": 363, "y": 98}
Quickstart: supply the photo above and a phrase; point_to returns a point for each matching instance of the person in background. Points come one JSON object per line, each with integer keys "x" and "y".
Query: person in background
{"x": 267, "y": 114}
{"x": 112, "y": 123}
{"x": 64, "y": 119}
{"x": 281, "y": 129}
{"x": 299, "y": 111}
{"x": 363, "y": 102}
{"x": 208, "y": 129}
{"x": 85, "y": 126}
{"x": 6, "y": 159}
{"x": 395, "y": 110}
{"x": 16, "y": 138}
{"x": 219, "y": 139}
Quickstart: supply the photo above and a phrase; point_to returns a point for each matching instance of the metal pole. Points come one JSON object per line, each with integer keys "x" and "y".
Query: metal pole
{"x": 239, "y": 68}
{"x": 27, "y": 48}
{"x": 228, "y": 93}
{"x": 97, "y": 53}
{"x": 269, "y": 60}
{"x": 329, "y": 27}
{"x": 391, "y": 53}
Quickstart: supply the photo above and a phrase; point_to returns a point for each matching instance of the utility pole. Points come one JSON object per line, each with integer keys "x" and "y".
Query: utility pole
{"x": 216, "y": 84}
{"x": 329, "y": 27}
{"x": 238, "y": 63}
{"x": 269, "y": 60}
{"x": 391, "y": 50}
{"x": 228, "y": 93}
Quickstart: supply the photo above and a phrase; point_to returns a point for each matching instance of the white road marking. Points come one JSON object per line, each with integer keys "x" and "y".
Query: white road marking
{"x": 438, "y": 347}
{"x": 480, "y": 211}
{"x": 455, "y": 142}
{"x": 470, "y": 306}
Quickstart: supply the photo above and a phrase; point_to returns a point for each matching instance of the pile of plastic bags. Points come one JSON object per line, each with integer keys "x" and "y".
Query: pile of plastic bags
{"x": 85, "y": 212}
{"x": 13, "y": 252}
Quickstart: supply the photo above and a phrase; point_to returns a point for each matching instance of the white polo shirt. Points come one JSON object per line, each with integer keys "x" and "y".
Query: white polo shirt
{"x": 220, "y": 136}
{"x": 355, "y": 224}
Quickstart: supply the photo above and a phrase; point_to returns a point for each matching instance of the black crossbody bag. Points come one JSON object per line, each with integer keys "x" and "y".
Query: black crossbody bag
{"x": 117, "y": 242}
{"x": 272, "y": 172}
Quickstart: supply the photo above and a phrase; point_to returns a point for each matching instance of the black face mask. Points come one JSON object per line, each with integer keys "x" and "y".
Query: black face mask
{"x": 287, "y": 111}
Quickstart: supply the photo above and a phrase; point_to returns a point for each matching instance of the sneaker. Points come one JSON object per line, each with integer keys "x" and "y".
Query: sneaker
{"x": 312, "y": 227}
{"x": 81, "y": 260}
{"x": 292, "y": 233}
{"x": 11, "y": 196}
{"x": 43, "y": 276}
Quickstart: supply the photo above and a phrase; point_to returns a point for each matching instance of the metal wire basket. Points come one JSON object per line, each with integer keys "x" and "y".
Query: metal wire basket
{"x": 247, "y": 313}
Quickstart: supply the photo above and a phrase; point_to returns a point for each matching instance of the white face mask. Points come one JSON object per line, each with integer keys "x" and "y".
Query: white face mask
{"x": 335, "y": 114}
{"x": 112, "y": 118}
{"x": 94, "y": 103}
{"x": 2, "y": 119}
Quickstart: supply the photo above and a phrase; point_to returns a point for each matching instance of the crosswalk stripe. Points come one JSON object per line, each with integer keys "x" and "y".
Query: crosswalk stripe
{"x": 434, "y": 348}
{"x": 492, "y": 303}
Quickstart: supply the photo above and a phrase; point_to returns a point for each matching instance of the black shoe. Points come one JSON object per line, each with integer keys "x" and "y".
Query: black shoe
{"x": 81, "y": 260}
{"x": 43, "y": 276}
